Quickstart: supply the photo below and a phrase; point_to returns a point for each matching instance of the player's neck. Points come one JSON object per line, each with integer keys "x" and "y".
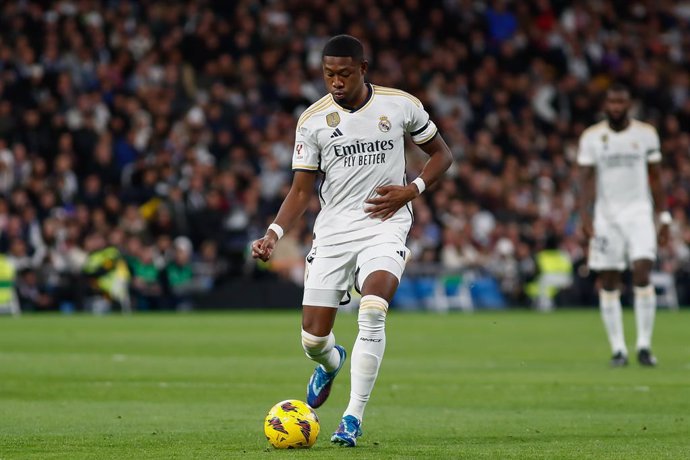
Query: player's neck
{"x": 619, "y": 125}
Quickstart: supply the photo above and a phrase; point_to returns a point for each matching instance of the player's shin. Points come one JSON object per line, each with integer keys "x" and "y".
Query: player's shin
{"x": 645, "y": 310}
{"x": 367, "y": 352}
{"x": 612, "y": 315}
{"x": 321, "y": 350}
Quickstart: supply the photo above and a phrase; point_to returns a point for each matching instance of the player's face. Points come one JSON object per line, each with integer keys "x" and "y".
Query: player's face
{"x": 344, "y": 78}
{"x": 616, "y": 105}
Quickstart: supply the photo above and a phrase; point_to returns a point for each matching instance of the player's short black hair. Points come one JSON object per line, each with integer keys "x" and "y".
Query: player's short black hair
{"x": 344, "y": 46}
{"x": 618, "y": 87}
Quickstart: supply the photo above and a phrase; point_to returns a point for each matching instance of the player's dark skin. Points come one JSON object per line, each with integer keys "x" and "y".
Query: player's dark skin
{"x": 344, "y": 79}
{"x": 616, "y": 107}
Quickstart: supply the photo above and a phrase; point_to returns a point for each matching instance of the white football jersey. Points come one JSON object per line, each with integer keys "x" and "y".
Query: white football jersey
{"x": 620, "y": 159}
{"x": 358, "y": 151}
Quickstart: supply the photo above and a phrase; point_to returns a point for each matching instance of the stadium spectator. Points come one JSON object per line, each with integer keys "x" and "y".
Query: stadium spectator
{"x": 179, "y": 276}
{"x": 30, "y": 294}
{"x": 208, "y": 268}
{"x": 147, "y": 286}
{"x": 107, "y": 275}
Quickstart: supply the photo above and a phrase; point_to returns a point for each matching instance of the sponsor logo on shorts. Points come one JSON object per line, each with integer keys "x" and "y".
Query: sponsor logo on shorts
{"x": 311, "y": 255}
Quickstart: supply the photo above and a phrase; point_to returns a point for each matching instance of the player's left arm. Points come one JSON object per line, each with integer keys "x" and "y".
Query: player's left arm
{"x": 660, "y": 208}
{"x": 393, "y": 197}
{"x": 657, "y": 188}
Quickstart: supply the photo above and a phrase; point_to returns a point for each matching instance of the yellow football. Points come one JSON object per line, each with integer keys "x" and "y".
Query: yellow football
{"x": 291, "y": 424}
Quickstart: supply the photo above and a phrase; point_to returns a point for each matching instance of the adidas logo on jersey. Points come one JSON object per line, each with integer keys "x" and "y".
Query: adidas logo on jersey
{"x": 336, "y": 133}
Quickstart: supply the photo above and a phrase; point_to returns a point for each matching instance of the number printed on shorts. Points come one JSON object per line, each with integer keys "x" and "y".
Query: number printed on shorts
{"x": 601, "y": 244}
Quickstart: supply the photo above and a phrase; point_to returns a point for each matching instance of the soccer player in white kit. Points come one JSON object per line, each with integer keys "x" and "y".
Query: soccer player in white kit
{"x": 354, "y": 137}
{"x": 619, "y": 162}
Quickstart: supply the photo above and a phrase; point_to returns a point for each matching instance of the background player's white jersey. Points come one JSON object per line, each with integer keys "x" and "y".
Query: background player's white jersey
{"x": 358, "y": 151}
{"x": 620, "y": 159}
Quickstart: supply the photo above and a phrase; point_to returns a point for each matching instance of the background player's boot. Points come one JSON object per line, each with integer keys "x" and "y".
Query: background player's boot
{"x": 645, "y": 357}
{"x": 319, "y": 387}
{"x": 348, "y": 431}
{"x": 619, "y": 359}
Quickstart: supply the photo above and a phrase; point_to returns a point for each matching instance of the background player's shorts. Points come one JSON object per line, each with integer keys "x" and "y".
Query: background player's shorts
{"x": 616, "y": 244}
{"x": 332, "y": 270}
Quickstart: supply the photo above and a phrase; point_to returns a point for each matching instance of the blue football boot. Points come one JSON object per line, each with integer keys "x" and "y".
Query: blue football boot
{"x": 319, "y": 387}
{"x": 348, "y": 431}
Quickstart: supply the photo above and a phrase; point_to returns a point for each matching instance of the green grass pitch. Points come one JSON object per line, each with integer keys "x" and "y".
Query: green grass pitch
{"x": 487, "y": 385}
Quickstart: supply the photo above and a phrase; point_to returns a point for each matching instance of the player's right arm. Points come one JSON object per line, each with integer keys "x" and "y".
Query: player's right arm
{"x": 306, "y": 159}
{"x": 293, "y": 207}
{"x": 587, "y": 199}
{"x": 587, "y": 172}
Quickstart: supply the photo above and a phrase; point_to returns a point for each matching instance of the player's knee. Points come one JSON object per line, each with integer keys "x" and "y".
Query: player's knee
{"x": 640, "y": 272}
{"x": 609, "y": 286}
{"x": 609, "y": 283}
{"x": 641, "y": 278}
{"x": 372, "y": 313}
{"x": 642, "y": 281}
{"x": 315, "y": 346}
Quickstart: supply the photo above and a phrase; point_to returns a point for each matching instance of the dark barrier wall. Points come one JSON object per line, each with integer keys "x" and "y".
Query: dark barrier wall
{"x": 252, "y": 294}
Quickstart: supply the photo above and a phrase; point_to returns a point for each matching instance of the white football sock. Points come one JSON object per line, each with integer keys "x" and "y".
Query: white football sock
{"x": 321, "y": 350}
{"x": 645, "y": 310}
{"x": 612, "y": 314}
{"x": 367, "y": 352}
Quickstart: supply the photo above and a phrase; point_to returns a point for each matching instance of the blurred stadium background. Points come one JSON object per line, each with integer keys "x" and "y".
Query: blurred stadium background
{"x": 144, "y": 144}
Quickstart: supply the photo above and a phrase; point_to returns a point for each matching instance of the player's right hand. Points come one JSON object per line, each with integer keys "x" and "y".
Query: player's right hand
{"x": 587, "y": 227}
{"x": 664, "y": 235}
{"x": 263, "y": 247}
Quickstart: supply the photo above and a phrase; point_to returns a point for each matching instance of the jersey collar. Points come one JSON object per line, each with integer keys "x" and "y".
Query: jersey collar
{"x": 630, "y": 123}
{"x": 370, "y": 94}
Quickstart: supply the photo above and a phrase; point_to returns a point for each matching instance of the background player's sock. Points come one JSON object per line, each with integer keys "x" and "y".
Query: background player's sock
{"x": 321, "y": 350}
{"x": 645, "y": 310}
{"x": 612, "y": 314}
{"x": 367, "y": 352}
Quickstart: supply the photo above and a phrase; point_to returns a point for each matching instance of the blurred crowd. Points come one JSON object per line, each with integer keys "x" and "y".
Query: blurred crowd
{"x": 155, "y": 138}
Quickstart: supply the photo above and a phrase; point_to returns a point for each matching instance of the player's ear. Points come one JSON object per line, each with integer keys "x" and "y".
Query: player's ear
{"x": 364, "y": 66}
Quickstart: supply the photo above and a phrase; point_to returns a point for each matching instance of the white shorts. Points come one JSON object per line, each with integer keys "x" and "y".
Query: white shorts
{"x": 331, "y": 271}
{"x": 617, "y": 244}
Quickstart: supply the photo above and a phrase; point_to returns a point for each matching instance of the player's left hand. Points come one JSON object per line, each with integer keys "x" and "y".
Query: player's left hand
{"x": 664, "y": 235}
{"x": 389, "y": 200}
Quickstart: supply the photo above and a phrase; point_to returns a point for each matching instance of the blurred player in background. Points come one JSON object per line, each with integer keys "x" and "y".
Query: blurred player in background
{"x": 619, "y": 160}
{"x": 354, "y": 137}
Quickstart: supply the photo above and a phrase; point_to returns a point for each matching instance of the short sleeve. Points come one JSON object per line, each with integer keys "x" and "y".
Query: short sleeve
{"x": 585, "y": 151}
{"x": 419, "y": 124}
{"x": 653, "y": 147}
{"x": 306, "y": 154}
